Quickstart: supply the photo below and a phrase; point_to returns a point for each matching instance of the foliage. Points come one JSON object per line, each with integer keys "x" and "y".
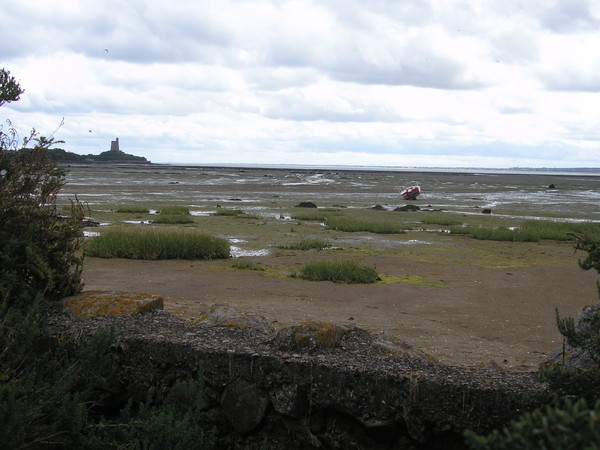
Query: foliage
{"x": 156, "y": 244}
{"x": 54, "y": 389}
{"x": 10, "y": 89}
{"x": 39, "y": 250}
{"x": 345, "y": 271}
{"x": 570, "y": 426}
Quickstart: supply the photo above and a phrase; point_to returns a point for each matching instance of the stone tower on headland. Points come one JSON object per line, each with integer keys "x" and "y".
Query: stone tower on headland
{"x": 114, "y": 145}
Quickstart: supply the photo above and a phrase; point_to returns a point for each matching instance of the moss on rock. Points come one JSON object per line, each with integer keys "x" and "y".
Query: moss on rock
{"x": 93, "y": 303}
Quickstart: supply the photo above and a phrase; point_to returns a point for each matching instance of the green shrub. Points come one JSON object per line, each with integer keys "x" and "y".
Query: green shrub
{"x": 307, "y": 244}
{"x": 570, "y": 426}
{"x": 339, "y": 271}
{"x": 157, "y": 244}
{"x": 39, "y": 250}
{"x": 355, "y": 225}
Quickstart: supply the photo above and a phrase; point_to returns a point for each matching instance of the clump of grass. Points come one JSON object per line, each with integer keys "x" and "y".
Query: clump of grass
{"x": 172, "y": 219}
{"x": 170, "y": 215}
{"x": 443, "y": 221}
{"x": 345, "y": 271}
{"x": 531, "y": 231}
{"x": 307, "y": 244}
{"x": 244, "y": 264}
{"x": 228, "y": 212}
{"x": 156, "y": 244}
{"x": 311, "y": 216}
{"x": 174, "y": 210}
{"x": 355, "y": 225}
{"x": 132, "y": 209}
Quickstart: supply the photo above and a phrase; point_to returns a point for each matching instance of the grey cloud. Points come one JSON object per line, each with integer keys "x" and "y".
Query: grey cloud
{"x": 564, "y": 16}
{"x": 296, "y": 107}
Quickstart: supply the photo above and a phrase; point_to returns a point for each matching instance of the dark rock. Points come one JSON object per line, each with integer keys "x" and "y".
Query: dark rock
{"x": 378, "y": 208}
{"x": 306, "y": 205}
{"x": 486, "y": 211}
{"x": 290, "y": 400}
{"x": 356, "y": 390}
{"x": 551, "y": 186}
{"x": 310, "y": 336}
{"x": 244, "y": 405}
{"x": 408, "y": 208}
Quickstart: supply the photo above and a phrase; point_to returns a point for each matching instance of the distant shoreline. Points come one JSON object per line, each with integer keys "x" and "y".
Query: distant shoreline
{"x": 582, "y": 171}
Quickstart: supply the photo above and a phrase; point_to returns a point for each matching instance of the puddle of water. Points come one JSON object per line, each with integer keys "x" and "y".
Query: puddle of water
{"x": 237, "y": 252}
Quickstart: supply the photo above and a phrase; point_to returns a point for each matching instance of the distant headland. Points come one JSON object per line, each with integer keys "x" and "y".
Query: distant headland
{"x": 114, "y": 155}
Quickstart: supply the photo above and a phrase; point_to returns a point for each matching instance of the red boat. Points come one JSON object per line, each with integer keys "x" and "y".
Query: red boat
{"x": 410, "y": 192}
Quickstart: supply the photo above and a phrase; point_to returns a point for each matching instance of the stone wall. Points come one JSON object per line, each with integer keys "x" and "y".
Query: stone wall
{"x": 294, "y": 389}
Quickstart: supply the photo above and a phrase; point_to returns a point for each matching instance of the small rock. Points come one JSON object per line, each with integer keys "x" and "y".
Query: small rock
{"x": 306, "y": 205}
{"x": 408, "y": 208}
{"x": 244, "y": 405}
{"x": 93, "y": 303}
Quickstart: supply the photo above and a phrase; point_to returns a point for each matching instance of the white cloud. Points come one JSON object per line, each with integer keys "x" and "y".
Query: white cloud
{"x": 414, "y": 82}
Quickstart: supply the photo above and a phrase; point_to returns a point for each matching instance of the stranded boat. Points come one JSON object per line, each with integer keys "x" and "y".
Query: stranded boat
{"x": 411, "y": 191}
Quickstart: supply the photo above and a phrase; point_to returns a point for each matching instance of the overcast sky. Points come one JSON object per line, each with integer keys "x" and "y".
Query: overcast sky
{"x": 435, "y": 83}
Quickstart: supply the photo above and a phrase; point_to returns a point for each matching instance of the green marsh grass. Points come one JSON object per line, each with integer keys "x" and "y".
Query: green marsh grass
{"x": 307, "y": 244}
{"x": 351, "y": 224}
{"x": 156, "y": 244}
{"x": 442, "y": 221}
{"x": 345, "y": 271}
{"x": 531, "y": 231}
{"x": 312, "y": 216}
{"x": 229, "y": 212}
{"x": 171, "y": 215}
{"x": 175, "y": 210}
{"x": 244, "y": 264}
{"x": 132, "y": 209}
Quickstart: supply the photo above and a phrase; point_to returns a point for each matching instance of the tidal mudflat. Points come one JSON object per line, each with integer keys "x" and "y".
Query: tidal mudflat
{"x": 463, "y": 300}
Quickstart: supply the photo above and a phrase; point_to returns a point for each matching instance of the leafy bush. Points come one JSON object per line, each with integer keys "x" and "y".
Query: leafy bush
{"x": 570, "y": 426}
{"x": 340, "y": 271}
{"x": 52, "y": 391}
{"x": 40, "y": 251}
{"x": 157, "y": 244}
